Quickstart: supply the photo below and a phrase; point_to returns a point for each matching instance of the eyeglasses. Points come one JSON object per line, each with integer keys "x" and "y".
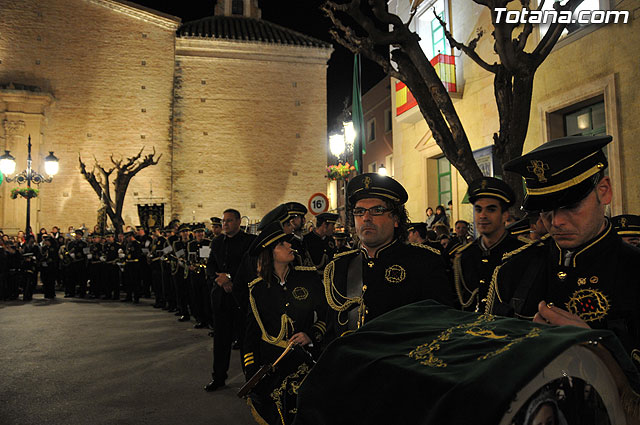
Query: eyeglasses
{"x": 374, "y": 211}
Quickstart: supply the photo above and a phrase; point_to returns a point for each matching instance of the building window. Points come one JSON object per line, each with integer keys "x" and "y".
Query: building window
{"x": 444, "y": 181}
{"x": 388, "y": 126}
{"x": 588, "y": 121}
{"x": 432, "y": 38}
{"x": 371, "y": 130}
{"x": 237, "y": 7}
{"x": 371, "y": 168}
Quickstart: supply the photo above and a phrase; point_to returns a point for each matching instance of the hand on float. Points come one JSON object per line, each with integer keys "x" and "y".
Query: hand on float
{"x": 549, "y": 314}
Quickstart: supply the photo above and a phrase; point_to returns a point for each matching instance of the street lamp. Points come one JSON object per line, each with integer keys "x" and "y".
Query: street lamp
{"x": 8, "y": 167}
{"x": 336, "y": 145}
{"x": 382, "y": 170}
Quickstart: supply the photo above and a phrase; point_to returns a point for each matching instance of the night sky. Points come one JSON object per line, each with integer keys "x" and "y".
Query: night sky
{"x": 299, "y": 15}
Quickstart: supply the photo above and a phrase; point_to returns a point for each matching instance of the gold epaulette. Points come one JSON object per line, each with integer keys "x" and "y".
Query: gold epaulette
{"x": 430, "y": 248}
{"x": 460, "y": 248}
{"x": 528, "y": 245}
{"x": 523, "y": 238}
{"x": 306, "y": 268}
{"x": 342, "y": 254}
{"x": 254, "y": 282}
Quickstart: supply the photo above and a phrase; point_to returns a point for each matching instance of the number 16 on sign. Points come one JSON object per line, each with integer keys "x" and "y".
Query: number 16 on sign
{"x": 318, "y": 203}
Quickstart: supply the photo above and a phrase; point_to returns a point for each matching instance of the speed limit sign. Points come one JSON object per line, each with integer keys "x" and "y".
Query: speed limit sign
{"x": 318, "y": 203}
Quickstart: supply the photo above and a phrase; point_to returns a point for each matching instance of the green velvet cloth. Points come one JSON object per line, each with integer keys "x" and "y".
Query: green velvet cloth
{"x": 429, "y": 364}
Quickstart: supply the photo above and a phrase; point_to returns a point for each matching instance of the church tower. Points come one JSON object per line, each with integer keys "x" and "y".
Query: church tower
{"x": 246, "y": 8}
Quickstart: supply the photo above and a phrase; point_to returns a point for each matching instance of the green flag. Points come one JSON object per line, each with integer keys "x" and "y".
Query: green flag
{"x": 357, "y": 117}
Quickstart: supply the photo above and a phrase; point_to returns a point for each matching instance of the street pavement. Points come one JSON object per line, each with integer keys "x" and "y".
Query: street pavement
{"x": 81, "y": 361}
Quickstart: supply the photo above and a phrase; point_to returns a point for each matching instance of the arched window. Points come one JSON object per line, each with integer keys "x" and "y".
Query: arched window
{"x": 237, "y": 7}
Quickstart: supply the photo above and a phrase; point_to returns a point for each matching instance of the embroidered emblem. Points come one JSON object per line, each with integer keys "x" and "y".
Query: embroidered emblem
{"x": 623, "y": 222}
{"x": 593, "y": 279}
{"x": 425, "y": 354}
{"x": 538, "y": 168}
{"x": 582, "y": 281}
{"x": 589, "y": 304}
{"x": 300, "y": 293}
{"x": 367, "y": 182}
{"x": 370, "y": 264}
{"x": 483, "y": 184}
{"x": 562, "y": 275}
{"x": 395, "y": 274}
{"x": 484, "y": 333}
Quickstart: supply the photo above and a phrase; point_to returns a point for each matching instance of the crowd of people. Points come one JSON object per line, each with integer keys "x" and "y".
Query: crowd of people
{"x": 282, "y": 295}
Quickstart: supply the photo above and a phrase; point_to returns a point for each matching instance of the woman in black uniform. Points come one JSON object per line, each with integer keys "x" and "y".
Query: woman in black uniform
{"x": 287, "y": 305}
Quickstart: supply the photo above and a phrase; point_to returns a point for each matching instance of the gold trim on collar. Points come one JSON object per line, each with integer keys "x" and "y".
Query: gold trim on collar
{"x": 384, "y": 247}
{"x": 566, "y": 184}
{"x": 573, "y": 261}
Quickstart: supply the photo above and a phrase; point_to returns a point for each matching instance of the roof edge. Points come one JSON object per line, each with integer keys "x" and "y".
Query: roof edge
{"x": 146, "y": 14}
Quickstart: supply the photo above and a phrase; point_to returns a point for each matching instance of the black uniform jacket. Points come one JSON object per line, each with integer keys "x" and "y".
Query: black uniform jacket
{"x": 473, "y": 266}
{"x": 76, "y": 247}
{"x": 281, "y": 310}
{"x": 320, "y": 250}
{"x": 399, "y": 274}
{"x": 226, "y": 257}
{"x": 600, "y": 283}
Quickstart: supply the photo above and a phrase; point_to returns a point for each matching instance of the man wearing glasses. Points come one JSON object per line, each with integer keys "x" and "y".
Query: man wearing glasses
{"x": 384, "y": 272}
{"x": 585, "y": 275}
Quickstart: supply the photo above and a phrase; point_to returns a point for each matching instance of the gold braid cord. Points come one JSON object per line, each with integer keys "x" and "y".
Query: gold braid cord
{"x": 493, "y": 286}
{"x": 334, "y": 297}
{"x": 427, "y": 247}
{"x": 285, "y": 321}
{"x": 458, "y": 280}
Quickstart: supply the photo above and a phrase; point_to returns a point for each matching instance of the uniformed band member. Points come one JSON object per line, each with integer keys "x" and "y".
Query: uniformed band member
{"x": 627, "y": 226}
{"x": 216, "y": 227}
{"x": 180, "y": 274}
{"x": 297, "y": 212}
{"x": 77, "y": 269}
{"x": 145, "y": 268}
{"x": 111, "y": 253}
{"x": 222, "y": 268}
{"x": 94, "y": 265}
{"x": 49, "y": 263}
{"x": 319, "y": 242}
{"x": 154, "y": 259}
{"x": 342, "y": 242}
{"x": 474, "y": 263}
{"x": 385, "y": 272}
{"x": 287, "y": 306}
{"x": 197, "y": 256}
{"x": 586, "y": 275}
{"x": 132, "y": 275}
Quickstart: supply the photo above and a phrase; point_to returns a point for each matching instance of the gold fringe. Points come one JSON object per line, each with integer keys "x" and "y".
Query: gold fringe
{"x": 256, "y": 416}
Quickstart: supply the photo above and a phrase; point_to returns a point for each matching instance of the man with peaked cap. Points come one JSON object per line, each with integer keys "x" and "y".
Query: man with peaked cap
{"x": 384, "y": 272}
{"x": 297, "y": 212}
{"x": 222, "y": 268}
{"x": 95, "y": 271}
{"x": 111, "y": 269}
{"x": 180, "y": 274}
{"x": 474, "y": 263}
{"x": 132, "y": 275}
{"x": 198, "y": 253}
{"x": 78, "y": 250}
{"x": 319, "y": 242}
{"x": 627, "y": 226}
{"x": 586, "y": 275}
{"x": 341, "y": 239}
{"x": 216, "y": 227}
{"x": 154, "y": 260}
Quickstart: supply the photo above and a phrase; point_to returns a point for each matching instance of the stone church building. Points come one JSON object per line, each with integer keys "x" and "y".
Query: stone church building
{"x": 235, "y": 105}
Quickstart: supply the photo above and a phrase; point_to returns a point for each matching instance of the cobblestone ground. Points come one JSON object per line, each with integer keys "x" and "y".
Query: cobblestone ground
{"x": 83, "y": 361}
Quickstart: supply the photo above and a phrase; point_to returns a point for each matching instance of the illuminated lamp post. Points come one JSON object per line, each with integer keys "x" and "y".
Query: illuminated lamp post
{"x": 8, "y": 167}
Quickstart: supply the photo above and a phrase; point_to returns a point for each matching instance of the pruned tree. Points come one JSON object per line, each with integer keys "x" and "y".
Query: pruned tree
{"x": 370, "y": 28}
{"x": 125, "y": 170}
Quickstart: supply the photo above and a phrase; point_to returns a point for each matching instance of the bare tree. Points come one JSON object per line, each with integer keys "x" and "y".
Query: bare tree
{"x": 370, "y": 28}
{"x": 125, "y": 170}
